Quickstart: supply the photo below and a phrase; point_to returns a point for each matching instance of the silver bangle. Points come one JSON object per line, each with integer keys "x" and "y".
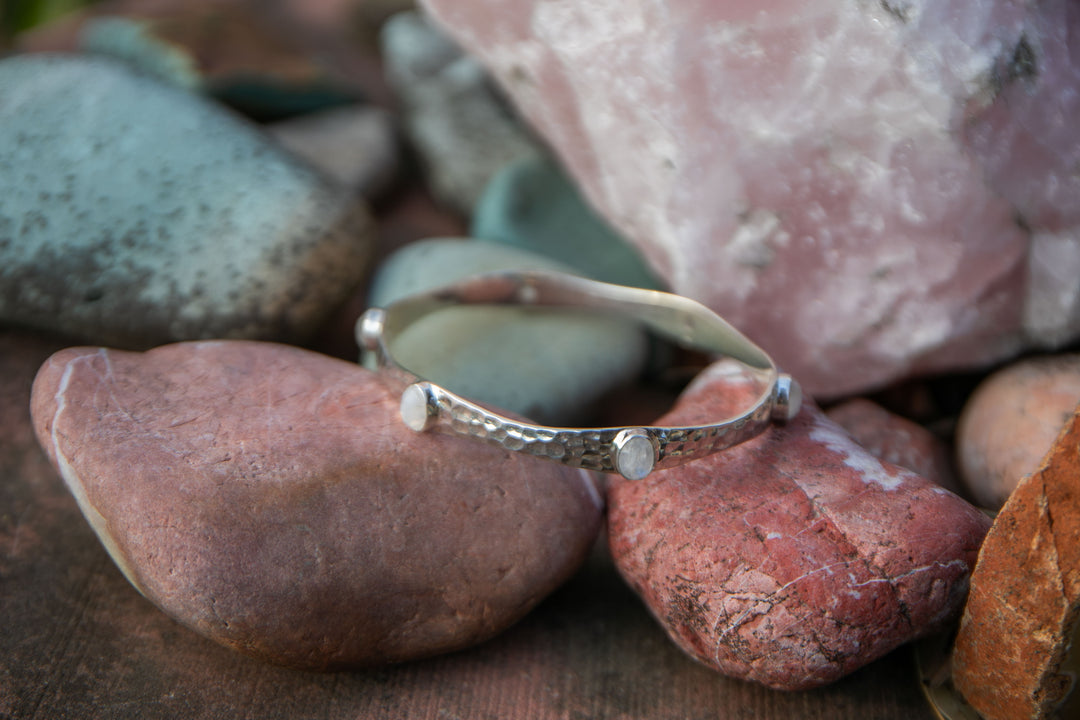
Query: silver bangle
{"x": 632, "y": 452}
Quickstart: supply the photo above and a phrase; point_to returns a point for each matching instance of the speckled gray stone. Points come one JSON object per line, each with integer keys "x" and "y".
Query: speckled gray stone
{"x": 549, "y": 367}
{"x": 464, "y": 132}
{"x": 133, "y": 214}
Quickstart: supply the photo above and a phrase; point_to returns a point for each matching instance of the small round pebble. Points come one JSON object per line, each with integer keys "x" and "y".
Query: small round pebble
{"x": 1010, "y": 422}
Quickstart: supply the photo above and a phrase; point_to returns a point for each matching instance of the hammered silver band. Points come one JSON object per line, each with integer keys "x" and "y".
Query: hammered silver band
{"x": 634, "y": 451}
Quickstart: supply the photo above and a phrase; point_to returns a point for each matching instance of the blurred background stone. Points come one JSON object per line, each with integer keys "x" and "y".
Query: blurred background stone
{"x": 134, "y": 43}
{"x": 1011, "y": 421}
{"x": 408, "y": 214}
{"x": 462, "y": 130}
{"x": 263, "y": 59}
{"x": 548, "y": 366}
{"x": 531, "y": 204}
{"x": 158, "y": 216}
{"x": 355, "y": 145}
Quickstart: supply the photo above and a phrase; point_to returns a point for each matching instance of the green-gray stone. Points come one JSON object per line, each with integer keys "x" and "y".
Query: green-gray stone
{"x": 133, "y": 213}
{"x": 461, "y": 128}
{"x": 531, "y": 204}
{"x": 133, "y": 42}
{"x": 265, "y": 98}
{"x": 546, "y": 365}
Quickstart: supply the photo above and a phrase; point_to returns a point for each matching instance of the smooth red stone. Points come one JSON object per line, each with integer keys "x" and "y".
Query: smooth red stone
{"x": 794, "y": 558}
{"x": 271, "y": 499}
{"x": 896, "y": 440}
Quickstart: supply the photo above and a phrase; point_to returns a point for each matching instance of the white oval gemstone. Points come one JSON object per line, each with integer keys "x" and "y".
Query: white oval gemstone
{"x": 634, "y": 455}
{"x": 414, "y": 407}
{"x": 794, "y": 399}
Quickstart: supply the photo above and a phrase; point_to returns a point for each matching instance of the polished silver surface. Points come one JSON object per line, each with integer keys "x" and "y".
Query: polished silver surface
{"x": 626, "y": 450}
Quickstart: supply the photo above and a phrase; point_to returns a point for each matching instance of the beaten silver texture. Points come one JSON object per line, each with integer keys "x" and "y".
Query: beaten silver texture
{"x": 426, "y": 405}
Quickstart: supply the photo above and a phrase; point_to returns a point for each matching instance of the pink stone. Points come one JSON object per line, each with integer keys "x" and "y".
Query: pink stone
{"x": 1010, "y": 422}
{"x": 896, "y": 440}
{"x": 270, "y": 499}
{"x": 795, "y": 558}
{"x": 869, "y": 190}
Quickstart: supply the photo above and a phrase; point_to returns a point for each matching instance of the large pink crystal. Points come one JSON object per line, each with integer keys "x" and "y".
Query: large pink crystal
{"x": 868, "y": 189}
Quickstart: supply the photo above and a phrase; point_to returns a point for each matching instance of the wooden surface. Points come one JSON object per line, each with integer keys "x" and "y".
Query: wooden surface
{"x": 76, "y": 641}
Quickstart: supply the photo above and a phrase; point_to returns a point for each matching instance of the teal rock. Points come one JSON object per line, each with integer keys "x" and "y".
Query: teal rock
{"x": 133, "y": 213}
{"x": 548, "y": 366}
{"x": 462, "y": 130}
{"x": 229, "y": 51}
{"x": 134, "y": 42}
{"x": 533, "y": 205}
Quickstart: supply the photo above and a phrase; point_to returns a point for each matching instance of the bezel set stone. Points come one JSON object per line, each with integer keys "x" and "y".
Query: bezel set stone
{"x": 369, "y": 330}
{"x": 418, "y": 409}
{"x": 788, "y": 400}
{"x": 634, "y": 453}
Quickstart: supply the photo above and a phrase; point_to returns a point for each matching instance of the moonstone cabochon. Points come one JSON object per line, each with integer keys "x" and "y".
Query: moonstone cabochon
{"x": 133, "y": 213}
{"x": 272, "y": 500}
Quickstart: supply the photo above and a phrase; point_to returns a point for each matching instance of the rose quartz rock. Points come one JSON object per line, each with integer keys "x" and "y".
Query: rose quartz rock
{"x": 1010, "y": 422}
{"x": 794, "y": 558}
{"x": 896, "y": 440}
{"x": 270, "y": 499}
{"x": 868, "y": 189}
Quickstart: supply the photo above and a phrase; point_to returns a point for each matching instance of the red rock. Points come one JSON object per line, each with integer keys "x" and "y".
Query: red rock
{"x": 1016, "y": 654}
{"x": 1010, "y": 422}
{"x": 896, "y": 440}
{"x": 859, "y": 186}
{"x": 270, "y": 499}
{"x": 794, "y": 558}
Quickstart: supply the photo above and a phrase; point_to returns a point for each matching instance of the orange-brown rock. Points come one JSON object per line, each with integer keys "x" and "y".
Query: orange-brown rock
{"x": 1011, "y": 421}
{"x": 896, "y": 440}
{"x": 794, "y": 558}
{"x": 1016, "y": 655}
{"x": 271, "y": 499}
